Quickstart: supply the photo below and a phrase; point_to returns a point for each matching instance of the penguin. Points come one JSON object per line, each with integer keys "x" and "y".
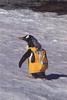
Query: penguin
{"x": 32, "y": 42}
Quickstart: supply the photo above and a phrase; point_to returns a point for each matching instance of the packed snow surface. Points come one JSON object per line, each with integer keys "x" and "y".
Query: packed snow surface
{"x": 51, "y": 31}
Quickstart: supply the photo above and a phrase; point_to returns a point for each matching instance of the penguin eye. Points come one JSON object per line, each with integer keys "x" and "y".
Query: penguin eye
{"x": 27, "y": 36}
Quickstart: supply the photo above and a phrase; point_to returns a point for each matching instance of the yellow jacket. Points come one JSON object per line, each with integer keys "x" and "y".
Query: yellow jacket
{"x": 37, "y": 66}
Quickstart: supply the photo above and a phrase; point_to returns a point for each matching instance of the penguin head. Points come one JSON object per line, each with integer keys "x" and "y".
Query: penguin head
{"x": 31, "y": 41}
{"x": 28, "y": 39}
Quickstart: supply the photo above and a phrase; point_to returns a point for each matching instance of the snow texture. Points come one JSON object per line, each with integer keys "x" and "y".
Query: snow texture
{"x": 51, "y": 31}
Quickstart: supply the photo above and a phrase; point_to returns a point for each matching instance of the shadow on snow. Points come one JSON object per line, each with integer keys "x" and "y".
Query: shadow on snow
{"x": 55, "y": 76}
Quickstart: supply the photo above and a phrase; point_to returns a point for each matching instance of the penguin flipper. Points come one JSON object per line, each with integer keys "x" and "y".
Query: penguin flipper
{"x": 24, "y": 57}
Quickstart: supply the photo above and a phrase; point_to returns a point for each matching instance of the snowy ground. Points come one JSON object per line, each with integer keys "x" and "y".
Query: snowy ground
{"x": 51, "y": 30}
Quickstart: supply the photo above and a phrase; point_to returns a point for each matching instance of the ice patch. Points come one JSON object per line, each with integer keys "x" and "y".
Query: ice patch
{"x": 49, "y": 14}
{"x": 55, "y": 40}
{"x": 2, "y": 11}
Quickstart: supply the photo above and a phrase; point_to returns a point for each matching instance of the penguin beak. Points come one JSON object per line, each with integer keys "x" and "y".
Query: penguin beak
{"x": 21, "y": 38}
